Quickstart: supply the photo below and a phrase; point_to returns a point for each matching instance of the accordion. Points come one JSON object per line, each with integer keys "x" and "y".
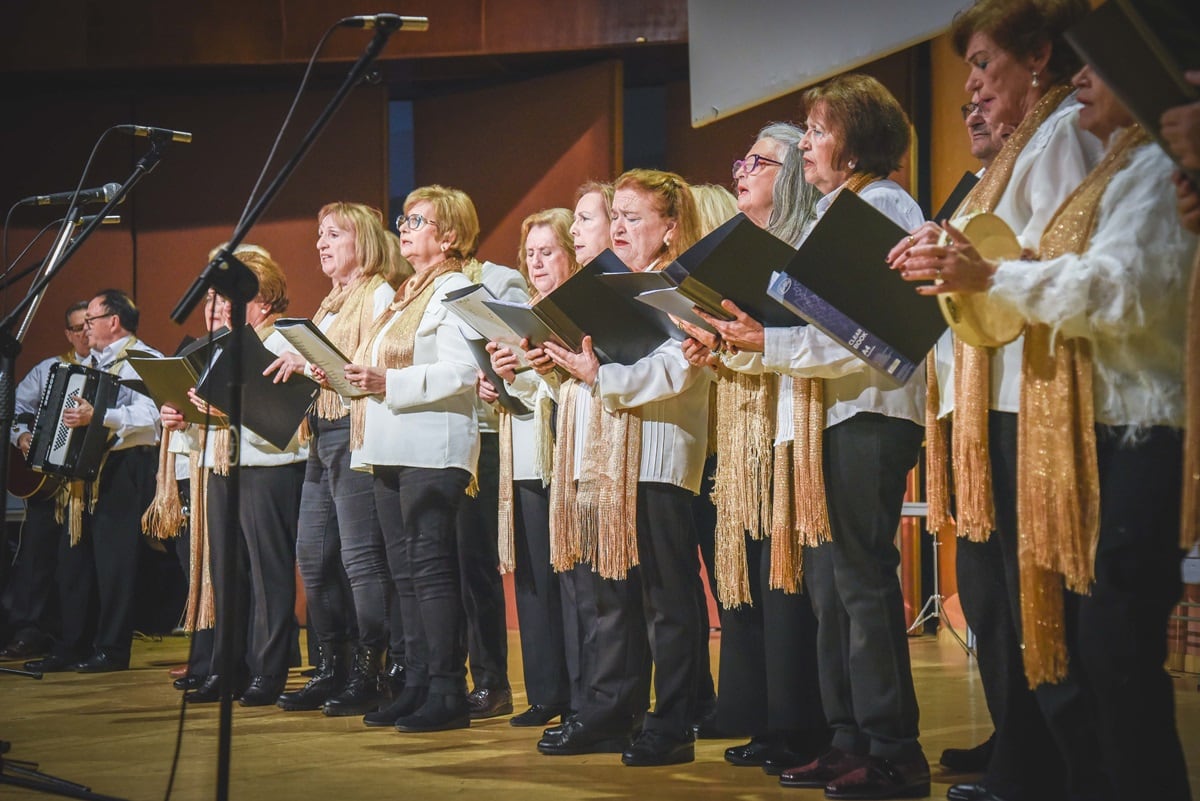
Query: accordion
{"x": 72, "y": 452}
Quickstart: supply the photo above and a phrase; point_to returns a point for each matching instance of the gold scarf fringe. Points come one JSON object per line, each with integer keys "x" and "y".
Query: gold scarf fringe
{"x": 938, "y": 518}
{"x": 1043, "y": 644}
{"x": 164, "y": 517}
{"x": 808, "y": 484}
{"x": 355, "y": 309}
{"x": 1189, "y": 529}
{"x": 505, "y": 523}
{"x": 744, "y": 424}
{"x": 567, "y": 548}
{"x": 200, "y": 610}
{"x": 787, "y": 555}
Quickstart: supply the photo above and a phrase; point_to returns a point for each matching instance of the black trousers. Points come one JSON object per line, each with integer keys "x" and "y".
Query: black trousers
{"x": 418, "y": 508}
{"x": 339, "y": 542}
{"x": 104, "y": 564}
{"x": 539, "y": 598}
{"x": 577, "y": 588}
{"x": 265, "y": 634}
{"x": 1120, "y": 644}
{"x": 658, "y": 603}
{"x": 866, "y": 676}
{"x": 769, "y": 683}
{"x": 479, "y": 573}
{"x": 28, "y": 601}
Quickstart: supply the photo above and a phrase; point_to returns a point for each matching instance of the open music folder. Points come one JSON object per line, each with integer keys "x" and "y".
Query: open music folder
{"x": 840, "y": 282}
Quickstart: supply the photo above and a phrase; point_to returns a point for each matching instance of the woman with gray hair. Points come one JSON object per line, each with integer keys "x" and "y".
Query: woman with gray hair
{"x": 768, "y": 685}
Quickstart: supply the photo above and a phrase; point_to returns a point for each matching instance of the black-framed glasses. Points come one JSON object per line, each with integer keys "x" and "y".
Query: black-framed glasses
{"x": 414, "y": 221}
{"x": 751, "y": 163}
{"x": 77, "y": 329}
{"x": 968, "y": 109}
{"x": 87, "y": 321}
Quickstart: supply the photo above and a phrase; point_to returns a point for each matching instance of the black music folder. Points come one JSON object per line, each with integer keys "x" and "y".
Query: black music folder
{"x": 273, "y": 411}
{"x": 957, "y": 195}
{"x": 734, "y": 260}
{"x": 1128, "y": 50}
{"x": 483, "y": 360}
{"x": 840, "y": 282}
{"x": 621, "y": 329}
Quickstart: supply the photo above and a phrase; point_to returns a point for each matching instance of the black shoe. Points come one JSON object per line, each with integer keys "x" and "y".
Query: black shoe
{"x": 883, "y": 778}
{"x": 488, "y": 703}
{"x": 364, "y": 689}
{"x": 209, "y": 692}
{"x": 188, "y": 682}
{"x": 25, "y": 646}
{"x": 101, "y": 662}
{"x": 263, "y": 691}
{"x": 969, "y": 760}
{"x": 750, "y": 755}
{"x": 438, "y": 713}
{"x": 554, "y": 731}
{"x": 574, "y": 737}
{"x": 971, "y": 792}
{"x": 705, "y": 726}
{"x": 653, "y": 747}
{"x": 53, "y": 663}
{"x": 409, "y": 700}
{"x": 538, "y": 715}
{"x": 395, "y": 678}
{"x": 325, "y": 683}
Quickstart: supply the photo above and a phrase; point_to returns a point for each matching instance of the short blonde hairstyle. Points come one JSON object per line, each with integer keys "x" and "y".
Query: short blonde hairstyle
{"x": 455, "y": 214}
{"x": 370, "y": 240}
{"x": 272, "y": 283}
{"x": 557, "y": 220}
{"x": 715, "y": 205}
{"x": 673, "y": 199}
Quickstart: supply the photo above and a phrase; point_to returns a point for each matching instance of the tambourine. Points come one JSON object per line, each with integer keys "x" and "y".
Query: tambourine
{"x": 973, "y": 319}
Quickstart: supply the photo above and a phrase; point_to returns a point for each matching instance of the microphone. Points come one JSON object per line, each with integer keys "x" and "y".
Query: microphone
{"x": 101, "y": 194}
{"x": 386, "y": 22}
{"x": 107, "y": 219}
{"x": 156, "y": 133}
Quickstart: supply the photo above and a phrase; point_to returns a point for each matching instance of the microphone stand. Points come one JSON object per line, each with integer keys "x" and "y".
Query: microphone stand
{"x": 231, "y": 278}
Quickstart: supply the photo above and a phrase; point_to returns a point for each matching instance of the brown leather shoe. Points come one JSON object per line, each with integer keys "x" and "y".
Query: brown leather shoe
{"x": 883, "y": 778}
{"x": 821, "y": 771}
{"x": 178, "y": 672}
{"x": 487, "y": 703}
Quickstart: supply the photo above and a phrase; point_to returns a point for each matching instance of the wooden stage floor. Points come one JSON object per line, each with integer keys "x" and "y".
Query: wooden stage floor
{"x": 116, "y": 733}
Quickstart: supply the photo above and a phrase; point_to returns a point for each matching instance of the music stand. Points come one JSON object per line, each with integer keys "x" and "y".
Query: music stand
{"x": 934, "y": 607}
{"x": 26, "y": 775}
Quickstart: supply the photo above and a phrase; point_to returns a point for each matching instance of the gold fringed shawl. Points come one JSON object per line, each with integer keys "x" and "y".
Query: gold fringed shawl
{"x": 937, "y": 482}
{"x": 164, "y": 517}
{"x": 200, "y": 610}
{"x": 972, "y": 366}
{"x": 1189, "y": 529}
{"x": 1058, "y": 485}
{"x": 544, "y": 445}
{"x": 355, "y": 309}
{"x": 594, "y": 519}
{"x": 745, "y": 426}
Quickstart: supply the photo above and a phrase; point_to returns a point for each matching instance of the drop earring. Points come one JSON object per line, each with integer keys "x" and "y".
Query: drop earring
{"x": 1035, "y": 79}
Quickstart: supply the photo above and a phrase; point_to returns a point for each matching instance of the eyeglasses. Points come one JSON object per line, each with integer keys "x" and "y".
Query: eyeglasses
{"x": 968, "y": 109}
{"x": 77, "y": 329}
{"x": 413, "y": 221}
{"x": 87, "y": 321}
{"x": 811, "y": 131}
{"x": 751, "y": 163}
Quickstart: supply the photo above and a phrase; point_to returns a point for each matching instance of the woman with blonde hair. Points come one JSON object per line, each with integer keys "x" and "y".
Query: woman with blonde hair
{"x": 339, "y": 527}
{"x": 630, "y": 450}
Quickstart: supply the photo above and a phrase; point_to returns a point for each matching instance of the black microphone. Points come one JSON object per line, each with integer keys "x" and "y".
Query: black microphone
{"x": 156, "y": 133}
{"x": 386, "y": 22}
{"x": 101, "y": 194}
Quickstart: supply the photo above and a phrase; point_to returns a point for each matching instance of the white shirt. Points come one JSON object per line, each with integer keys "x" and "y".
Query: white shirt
{"x": 671, "y": 397}
{"x": 427, "y": 417}
{"x": 1126, "y": 294}
{"x": 508, "y": 284}
{"x": 29, "y": 394}
{"x": 531, "y": 390}
{"x": 851, "y": 386}
{"x": 132, "y": 417}
{"x": 1056, "y": 159}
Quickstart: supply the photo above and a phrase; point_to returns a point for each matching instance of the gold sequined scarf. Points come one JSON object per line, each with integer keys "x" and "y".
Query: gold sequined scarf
{"x": 594, "y": 519}
{"x": 200, "y": 610}
{"x": 745, "y": 427}
{"x": 355, "y": 309}
{"x": 1058, "y": 484}
{"x": 976, "y": 515}
{"x": 544, "y": 467}
{"x": 396, "y": 346}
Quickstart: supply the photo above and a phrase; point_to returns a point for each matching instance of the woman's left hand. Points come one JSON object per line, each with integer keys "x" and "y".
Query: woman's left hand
{"x": 484, "y": 388}
{"x": 953, "y": 267}
{"x": 371, "y": 379}
{"x": 743, "y": 332}
{"x": 583, "y": 365}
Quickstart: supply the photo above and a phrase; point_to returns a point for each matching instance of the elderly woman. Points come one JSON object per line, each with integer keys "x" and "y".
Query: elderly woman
{"x": 648, "y": 420}
{"x": 417, "y": 433}
{"x": 768, "y": 635}
{"x": 546, "y": 258}
{"x": 1110, "y": 297}
{"x": 1019, "y": 67}
{"x": 339, "y": 528}
{"x": 856, "y": 135}
{"x": 270, "y": 484}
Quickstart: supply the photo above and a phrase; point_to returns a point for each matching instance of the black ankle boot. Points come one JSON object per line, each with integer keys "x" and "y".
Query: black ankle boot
{"x": 364, "y": 689}
{"x": 405, "y": 703}
{"x": 325, "y": 683}
{"x": 438, "y": 713}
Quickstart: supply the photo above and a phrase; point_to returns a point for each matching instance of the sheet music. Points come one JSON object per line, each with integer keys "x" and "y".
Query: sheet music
{"x": 314, "y": 346}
